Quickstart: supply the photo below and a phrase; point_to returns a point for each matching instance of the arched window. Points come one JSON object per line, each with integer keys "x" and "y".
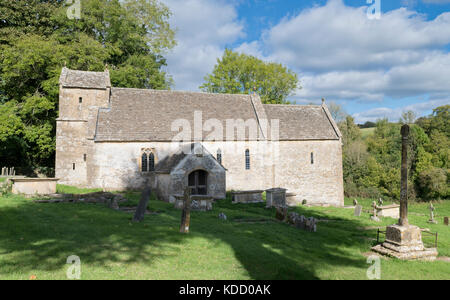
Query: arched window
{"x": 312, "y": 158}
{"x": 247, "y": 159}
{"x": 151, "y": 162}
{"x": 219, "y": 156}
{"x": 148, "y": 160}
{"x": 144, "y": 162}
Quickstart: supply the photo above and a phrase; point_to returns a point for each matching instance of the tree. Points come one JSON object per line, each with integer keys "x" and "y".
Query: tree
{"x": 37, "y": 39}
{"x": 337, "y": 111}
{"x": 434, "y": 184}
{"x": 238, "y": 73}
{"x": 408, "y": 117}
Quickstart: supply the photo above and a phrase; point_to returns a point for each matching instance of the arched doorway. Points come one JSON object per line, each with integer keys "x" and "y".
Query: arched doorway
{"x": 197, "y": 182}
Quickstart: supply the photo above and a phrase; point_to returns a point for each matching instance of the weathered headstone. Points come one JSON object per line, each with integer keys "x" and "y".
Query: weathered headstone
{"x": 432, "y": 220}
{"x": 446, "y": 221}
{"x": 281, "y": 213}
{"x": 186, "y": 214}
{"x": 142, "y": 206}
{"x": 311, "y": 224}
{"x": 380, "y": 202}
{"x": 223, "y": 216}
{"x": 358, "y": 210}
{"x": 292, "y": 218}
{"x": 374, "y": 216}
{"x": 299, "y": 222}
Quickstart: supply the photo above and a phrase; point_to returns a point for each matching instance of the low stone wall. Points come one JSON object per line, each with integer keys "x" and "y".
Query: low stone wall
{"x": 247, "y": 196}
{"x": 34, "y": 186}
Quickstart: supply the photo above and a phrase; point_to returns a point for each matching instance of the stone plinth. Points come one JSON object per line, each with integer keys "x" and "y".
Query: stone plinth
{"x": 405, "y": 242}
{"x": 392, "y": 211}
{"x": 34, "y": 186}
{"x": 247, "y": 196}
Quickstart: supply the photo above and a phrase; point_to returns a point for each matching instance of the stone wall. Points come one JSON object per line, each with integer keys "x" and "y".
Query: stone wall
{"x": 75, "y": 130}
{"x": 286, "y": 164}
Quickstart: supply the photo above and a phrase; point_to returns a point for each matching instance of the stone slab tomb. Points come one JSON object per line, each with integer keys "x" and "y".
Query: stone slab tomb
{"x": 276, "y": 197}
{"x": 391, "y": 211}
{"x": 247, "y": 196}
{"x": 34, "y": 186}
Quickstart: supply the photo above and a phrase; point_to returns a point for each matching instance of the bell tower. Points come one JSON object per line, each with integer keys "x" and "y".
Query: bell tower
{"x": 81, "y": 95}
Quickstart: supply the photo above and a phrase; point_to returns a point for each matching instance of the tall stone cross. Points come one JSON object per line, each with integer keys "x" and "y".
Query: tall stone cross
{"x": 403, "y": 221}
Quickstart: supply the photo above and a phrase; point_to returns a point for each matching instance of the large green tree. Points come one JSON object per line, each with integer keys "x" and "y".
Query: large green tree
{"x": 238, "y": 73}
{"x": 37, "y": 38}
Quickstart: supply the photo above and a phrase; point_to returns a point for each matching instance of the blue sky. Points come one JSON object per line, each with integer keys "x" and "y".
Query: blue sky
{"x": 375, "y": 68}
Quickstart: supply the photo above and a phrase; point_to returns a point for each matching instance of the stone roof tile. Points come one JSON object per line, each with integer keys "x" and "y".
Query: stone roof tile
{"x": 84, "y": 79}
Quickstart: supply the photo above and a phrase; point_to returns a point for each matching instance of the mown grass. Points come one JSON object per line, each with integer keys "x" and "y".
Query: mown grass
{"x": 36, "y": 239}
{"x": 66, "y": 189}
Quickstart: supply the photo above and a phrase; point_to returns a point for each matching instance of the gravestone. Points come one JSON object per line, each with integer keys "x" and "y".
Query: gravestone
{"x": 446, "y": 221}
{"x": 355, "y": 202}
{"x": 358, "y": 210}
{"x": 142, "y": 206}
{"x": 432, "y": 220}
{"x": 223, "y": 216}
{"x": 281, "y": 213}
{"x": 374, "y": 216}
{"x": 186, "y": 214}
{"x": 300, "y": 222}
{"x": 292, "y": 218}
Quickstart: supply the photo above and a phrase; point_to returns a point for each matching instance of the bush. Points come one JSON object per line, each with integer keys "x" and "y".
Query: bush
{"x": 434, "y": 184}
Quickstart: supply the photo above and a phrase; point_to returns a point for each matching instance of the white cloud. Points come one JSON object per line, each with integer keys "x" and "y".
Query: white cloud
{"x": 394, "y": 114}
{"x": 340, "y": 37}
{"x": 204, "y": 29}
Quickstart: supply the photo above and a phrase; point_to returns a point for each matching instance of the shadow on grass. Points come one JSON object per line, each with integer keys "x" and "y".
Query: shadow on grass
{"x": 42, "y": 236}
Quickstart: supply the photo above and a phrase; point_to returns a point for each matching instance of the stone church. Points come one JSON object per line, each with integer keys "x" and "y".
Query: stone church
{"x": 121, "y": 138}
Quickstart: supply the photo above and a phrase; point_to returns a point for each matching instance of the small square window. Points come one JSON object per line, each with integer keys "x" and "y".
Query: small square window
{"x": 80, "y": 100}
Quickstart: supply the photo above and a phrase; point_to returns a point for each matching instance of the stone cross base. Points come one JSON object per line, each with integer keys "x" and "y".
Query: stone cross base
{"x": 405, "y": 242}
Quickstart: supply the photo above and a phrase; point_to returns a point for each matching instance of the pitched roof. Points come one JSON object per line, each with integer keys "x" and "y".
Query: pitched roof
{"x": 83, "y": 79}
{"x": 149, "y": 115}
{"x": 302, "y": 122}
{"x": 167, "y": 164}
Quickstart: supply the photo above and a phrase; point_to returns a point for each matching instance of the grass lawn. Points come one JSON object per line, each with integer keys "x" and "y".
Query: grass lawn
{"x": 36, "y": 239}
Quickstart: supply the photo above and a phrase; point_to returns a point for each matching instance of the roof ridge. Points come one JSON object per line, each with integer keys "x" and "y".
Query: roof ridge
{"x": 181, "y": 91}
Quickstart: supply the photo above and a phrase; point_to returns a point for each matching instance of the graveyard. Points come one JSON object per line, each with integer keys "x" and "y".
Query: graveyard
{"x": 250, "y": 243}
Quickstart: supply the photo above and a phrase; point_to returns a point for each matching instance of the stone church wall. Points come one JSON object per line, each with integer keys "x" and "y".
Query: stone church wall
{"x": 287, "y": 165}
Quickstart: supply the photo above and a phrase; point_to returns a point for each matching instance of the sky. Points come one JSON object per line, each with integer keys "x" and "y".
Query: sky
{"x": 375, "y": 65}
